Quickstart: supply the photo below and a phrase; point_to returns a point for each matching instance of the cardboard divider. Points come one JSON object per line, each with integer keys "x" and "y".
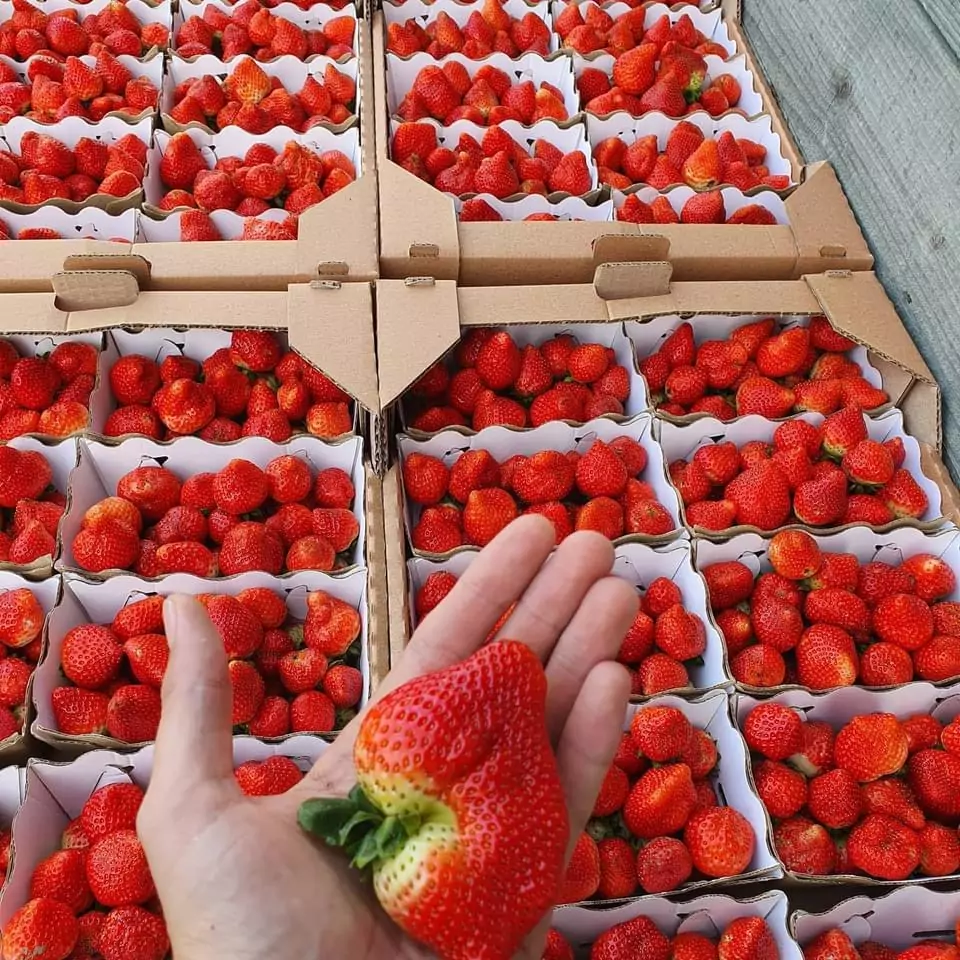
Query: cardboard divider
{"x": 16, "y": 748}
{"x": 680, "y": 442}
{"x": 898, "y": 919}
{"x": 840, "y": 706}
{"x": 865, "y": 544}
{"x": 101, "y": 466}
{"x": 505, "y": 442}
{"x": 84, "y": 602}
{"x": 54, "y": 794}
{"x": 337, "y": 239}
{"x": 708, "y": 915}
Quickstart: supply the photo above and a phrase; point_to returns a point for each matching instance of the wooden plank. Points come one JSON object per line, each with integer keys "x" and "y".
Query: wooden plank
{"x": 865, "y": 84}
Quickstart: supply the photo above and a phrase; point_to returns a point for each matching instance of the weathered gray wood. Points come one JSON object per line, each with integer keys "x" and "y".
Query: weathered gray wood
{"x": 871, "y": 86}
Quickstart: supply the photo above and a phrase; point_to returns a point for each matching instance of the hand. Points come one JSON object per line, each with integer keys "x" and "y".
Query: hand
{"x": 238, "y": 878}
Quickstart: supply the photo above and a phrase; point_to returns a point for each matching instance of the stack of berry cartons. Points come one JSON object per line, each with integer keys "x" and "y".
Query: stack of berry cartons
{"x": 682, "y": 137}
{"x": 860, "y": 786}
{"x": 706, "y": 926}
{"x": 78, "y": 821}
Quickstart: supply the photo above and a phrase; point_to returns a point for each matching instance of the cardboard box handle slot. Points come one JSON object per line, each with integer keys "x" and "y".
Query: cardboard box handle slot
{"x": 424, "y": 250}
{"x": 833, "y": 251}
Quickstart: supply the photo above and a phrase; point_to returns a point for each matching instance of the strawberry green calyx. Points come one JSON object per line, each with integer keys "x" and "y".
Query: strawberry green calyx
{"x": 459, "y": 807}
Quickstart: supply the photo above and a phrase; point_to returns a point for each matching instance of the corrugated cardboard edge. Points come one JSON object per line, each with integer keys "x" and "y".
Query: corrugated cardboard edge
{"x": 378, "y": 602}
{"x": 400, "y": 627}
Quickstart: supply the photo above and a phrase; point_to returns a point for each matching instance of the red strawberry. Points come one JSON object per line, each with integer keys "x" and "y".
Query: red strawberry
{"x": 721, "y": 841}
{"x": 804, "y": 847}
{"x": 884, "y": 848}
{"x": 826, "y": 657}
{"x": 41, "y": 927}
{"x": 663, "y": 865}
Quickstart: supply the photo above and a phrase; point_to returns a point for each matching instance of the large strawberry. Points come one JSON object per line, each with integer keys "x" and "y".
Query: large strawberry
{"x": 446, "y": 832}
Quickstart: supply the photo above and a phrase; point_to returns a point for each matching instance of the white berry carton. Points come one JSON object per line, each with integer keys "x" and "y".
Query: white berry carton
{"x": 680, "y": 442}
{"x": 101, "y": 466}
{"x": 711, "y": 24}
{"x": 89, "y": 224}
{"x": 570, "y": 139}
{"x": 150, "y": 67}
{"x": 11, "y": 791}
{"x": 401, "y": 73}
{"x": 708, "y": 915}
{"x": 69, "y": 131}
{"x": 505, "y": 442}
{"x": 734, "y": 199}
{"x": 424, "y": 13}
{"x": 536, "y": 334}
{"x": 157, "y": 343}
{"x": 312, "y": 19}
{"x": 712, "y": 713}
{"x": 235, "y": 142}
{"x": 648, "y": 336}
{"x": 750, "y": 103}
{"x": 865, "y": 544}
{"x": 630, "y": 129}
{"x": 838, "y": 707}
{"x": 570, "y": 208}
{"x": 62, "y": 458}
{"x": 898, "y": 919}
{"x": 17, "y": 747}
{"x": 54, "y": 794}
{"x": 84, "y": 602}
{"x": 229, "y": 224}
{"x": 290, "y": 71}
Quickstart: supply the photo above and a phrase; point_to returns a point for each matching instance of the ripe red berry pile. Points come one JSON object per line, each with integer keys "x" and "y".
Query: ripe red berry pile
{"x": 687, "y": 156}
{"x": 69, "y": 32}
{"x": 826, "y": 620}
{"x": 211, "y": 524}
{"x": 293, "y": 179}
{"x": 252, "y": 388}
{"x": 448, "y": 94}
{"x": 474, "y": 498}
{"x": 251, "y": 99}
{"x": 487, "y": 30}
{"x": 819, "y": 476}
{"x": 47, "y": 169}
{"x": 708, "y": 207}
{"x": 876, "y": 796}
{"x": 251, "y": 29}
{"x": 745, "y": 938}
{"x": 760, "y": 368}
{"x": 91, "y": 88}
{"x": 21, "y": 626}
{"x": 658, "y": 816}
{"x": 662, "y": 68}
{"x": 287, "y": 677}
{"x": 497, "y": 164}
{"x": 44, "y": 394}
{"x": 495, "y": 382}
{"x": 95, "y": 896}
{"x": 835, "y": 944}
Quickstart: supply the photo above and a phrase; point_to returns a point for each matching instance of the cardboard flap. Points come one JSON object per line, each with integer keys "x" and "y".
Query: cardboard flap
{"x": 634, "y": 248}
{"x": 417, "y": 323}
{"x": 825, "y": 231}
{"x": 621, "y": 281}
{"x": 859, "y": 307}
{"x": 94, "y": 289}
{"x": 564, "y": 303}
{"x": 138, "y": 266}
{"x": 331, "y": 324}
{"x": 32, "y": 313}
{"x": 937, "y": 471}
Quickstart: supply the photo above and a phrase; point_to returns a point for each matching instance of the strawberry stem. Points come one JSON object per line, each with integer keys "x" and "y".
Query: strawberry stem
{"x": 354, "y": 824}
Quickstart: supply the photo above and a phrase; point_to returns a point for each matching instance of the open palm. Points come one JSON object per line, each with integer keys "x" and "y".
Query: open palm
{"x": 238, "y": 878}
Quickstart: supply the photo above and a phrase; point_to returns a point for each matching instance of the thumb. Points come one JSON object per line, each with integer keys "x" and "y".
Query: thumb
{"x": 195, "y": 738}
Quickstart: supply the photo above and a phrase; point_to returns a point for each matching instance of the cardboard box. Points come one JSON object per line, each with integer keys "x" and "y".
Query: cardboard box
{"x": 16, "y": 748}
{"x": 421, "y": 236}
{"x": 54, "y": 794}
{"x": 337, "y": 239}
{"x": 898, "y": 919}
{"x": 865, "y": 544}
{"x": 84, "y": 602}
{"x": 837, "y": 708}
{"x": 638, "y": 564}
{"x": 709, "y": 915}
{"x": 680, "y": 442}
{"x": 505, "y": 442}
